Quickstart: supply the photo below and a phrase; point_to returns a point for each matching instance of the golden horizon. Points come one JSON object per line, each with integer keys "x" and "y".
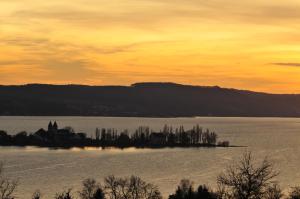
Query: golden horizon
{"x": 249, "y": 45}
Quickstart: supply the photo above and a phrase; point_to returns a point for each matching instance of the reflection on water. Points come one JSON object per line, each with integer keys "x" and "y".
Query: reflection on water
{"x": 52, "y": 170}
{"x": 108, "y": 149}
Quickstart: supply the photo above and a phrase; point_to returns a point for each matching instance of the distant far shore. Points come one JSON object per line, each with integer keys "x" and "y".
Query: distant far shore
{"x": 153, "y": 100}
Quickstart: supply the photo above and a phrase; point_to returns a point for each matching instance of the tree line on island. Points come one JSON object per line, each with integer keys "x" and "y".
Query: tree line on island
{"x": 246, "y": 179}
{"x": 143, "y": 136}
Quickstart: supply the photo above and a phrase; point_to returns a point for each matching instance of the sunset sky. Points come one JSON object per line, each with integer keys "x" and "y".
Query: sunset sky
{"x": 245, "y": 44}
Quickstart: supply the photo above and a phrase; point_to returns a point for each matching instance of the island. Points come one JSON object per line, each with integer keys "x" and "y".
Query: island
{"x": 142, "y": 137}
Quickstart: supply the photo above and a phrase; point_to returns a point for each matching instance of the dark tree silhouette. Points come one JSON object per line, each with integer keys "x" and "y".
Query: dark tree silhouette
{"x": 5, "y": 139}
{"x": 246, "y": 180}
{"x": 205, "y": 192}
{"x": 64, "y": 195}
{"x": 7, "y": 186}
{"x": 99, "y": 194}
{"x": 295, "y": 193}
{"x": 36, "y": 195}
{"x": 130, "y": 188}
{"x": 97, "y": 134}
{"x": 274, "y": 192}
{"x": 91, "y": 190}
{"x": 70, "y": 129}
{"x": 185, "y": 190}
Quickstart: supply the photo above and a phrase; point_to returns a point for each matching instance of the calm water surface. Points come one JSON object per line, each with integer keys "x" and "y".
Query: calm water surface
{"x": 53, "y": 170}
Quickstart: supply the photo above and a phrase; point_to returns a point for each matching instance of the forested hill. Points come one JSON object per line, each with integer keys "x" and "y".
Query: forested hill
{"x": 143, "y": 99}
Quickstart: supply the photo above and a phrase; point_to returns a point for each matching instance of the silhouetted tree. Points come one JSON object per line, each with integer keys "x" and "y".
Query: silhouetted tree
{"x": 185, "y": 190}
{"x": 5, "y": 139}
{"x": 171, "y": 139}
{"x": 21, "y": 138}
{"x": 64, "y": 195}
{"x": 91, "y": 190}
{"x": 103, "y": 136}
{"x": 111, "y": 187}
{"x": 130, "y": 188}
{"x": 123, "y": 140}
{"x": 36, "y": 195}
{"x": 70, "y": 129}
{"x": 295, "y": 193}
{"x": 205, "y": 192}
{"x": 246, "y": 180}
{"x": 99, "y": 194}
{"x": 7, "y": 186}
{"x": 97, "y": 134}
{"x": 274, "y": 192}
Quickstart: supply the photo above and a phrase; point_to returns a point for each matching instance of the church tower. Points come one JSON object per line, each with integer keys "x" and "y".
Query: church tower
{"x": 55, "y": 126}
{"x": 50, "y": 126}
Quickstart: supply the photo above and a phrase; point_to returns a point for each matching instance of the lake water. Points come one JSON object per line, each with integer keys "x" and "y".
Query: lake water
{"x": 53, "y": 170}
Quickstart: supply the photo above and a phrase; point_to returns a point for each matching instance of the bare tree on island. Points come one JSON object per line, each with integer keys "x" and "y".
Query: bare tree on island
{"x": 247, "y": 180}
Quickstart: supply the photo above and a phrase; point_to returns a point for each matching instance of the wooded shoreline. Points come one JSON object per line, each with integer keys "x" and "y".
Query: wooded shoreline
{"x": 142, "y": 137}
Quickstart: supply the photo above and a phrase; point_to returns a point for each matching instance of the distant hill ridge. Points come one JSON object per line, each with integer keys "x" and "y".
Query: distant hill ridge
{"x": 153, "y": 99}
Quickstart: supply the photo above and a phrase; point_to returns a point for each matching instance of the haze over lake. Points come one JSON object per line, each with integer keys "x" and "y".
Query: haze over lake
{"x": 52, "y": 170}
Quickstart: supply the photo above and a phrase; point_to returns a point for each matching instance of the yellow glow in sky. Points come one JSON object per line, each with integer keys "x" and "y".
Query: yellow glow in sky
{"x": 249, "y": 44}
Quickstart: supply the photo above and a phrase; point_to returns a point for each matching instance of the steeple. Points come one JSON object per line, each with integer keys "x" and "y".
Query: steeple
{"x": 50, "y": 126}
{"x": 55, "y": 126}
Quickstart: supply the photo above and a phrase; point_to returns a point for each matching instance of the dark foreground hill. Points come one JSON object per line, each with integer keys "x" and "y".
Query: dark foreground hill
{"x": 143, "y": 99}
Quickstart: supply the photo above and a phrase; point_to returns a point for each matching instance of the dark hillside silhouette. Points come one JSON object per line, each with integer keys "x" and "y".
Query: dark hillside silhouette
{"x": 144, "y": 100}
